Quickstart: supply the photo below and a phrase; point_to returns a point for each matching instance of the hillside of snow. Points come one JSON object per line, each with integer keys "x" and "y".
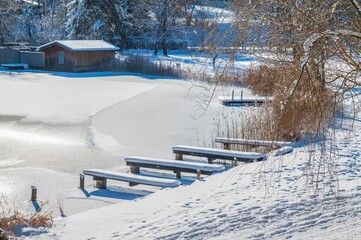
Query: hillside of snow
{"x": 265, "y": 200}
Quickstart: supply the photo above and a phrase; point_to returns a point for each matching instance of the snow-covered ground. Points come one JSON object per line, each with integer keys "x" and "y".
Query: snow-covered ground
{"x": 198, "y": 61}
{"x": 54, "y": 125}
{"x": 264, "y": 200}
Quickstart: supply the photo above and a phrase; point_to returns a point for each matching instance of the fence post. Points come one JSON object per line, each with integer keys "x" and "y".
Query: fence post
{"x": 34, "y": 192}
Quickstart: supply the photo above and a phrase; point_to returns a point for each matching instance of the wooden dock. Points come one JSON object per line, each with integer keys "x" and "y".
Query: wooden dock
{"x": 240, "y": 100}
{"x": 225, "y": 100}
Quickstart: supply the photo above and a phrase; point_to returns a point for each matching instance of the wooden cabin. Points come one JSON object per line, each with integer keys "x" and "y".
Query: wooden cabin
{"x": 77, "y": 55}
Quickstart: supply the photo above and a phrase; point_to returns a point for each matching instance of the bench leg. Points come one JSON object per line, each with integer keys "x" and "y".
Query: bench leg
{"x": 198, "y": 174}
{"x": 235, "y": 162}
{"x": 178, "y": 156}
{"x": 81, "y": 184}
{"x": 210, "y": 160}
{"x": 101, "y": 183}
{"x": 226, "y": 146}
{"x": 178, "y": 175}
{"x": 134, "y": 169}
{"x": 131, "y": 184}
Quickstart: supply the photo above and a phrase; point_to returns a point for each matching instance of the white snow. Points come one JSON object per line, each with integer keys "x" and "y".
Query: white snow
{"x": 54, "y": 125}
{"x": 57, "y": 98}
{"x": 264, "y": 200}
{"x": 213, "y": 14}
{"x": 81, "y": 45}
{"x": 129, "y": 115}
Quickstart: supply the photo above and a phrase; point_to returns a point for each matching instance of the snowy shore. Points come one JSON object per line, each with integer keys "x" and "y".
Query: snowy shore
{"x": 47, "y": 139}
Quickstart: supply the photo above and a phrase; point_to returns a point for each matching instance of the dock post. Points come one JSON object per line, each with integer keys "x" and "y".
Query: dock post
{"x": 232, "y": 95}
{"x": 178, "y": 156}
{"x": 101, "y": 183}
{"x": 226, "y": 146}
{"x": 81, "y": 185}
{"x": 134, "y": 169}
{"x": 198, "y": 174}
{"x": 235, "y": 162}
{"x": 242, "y": 95}
{"x": 34, "y": 193}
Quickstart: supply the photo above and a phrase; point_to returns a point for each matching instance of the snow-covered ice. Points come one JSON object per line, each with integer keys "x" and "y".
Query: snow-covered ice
{"x": 54, "y": 125}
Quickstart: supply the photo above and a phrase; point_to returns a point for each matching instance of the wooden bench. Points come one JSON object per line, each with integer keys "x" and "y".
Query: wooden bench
{"x": 101, "y": 176}
{"x": 15, "y": 66}
{"x": 213, "y": 153}
{"x": 228, "y": 141}
{"x": 177, "y": 167}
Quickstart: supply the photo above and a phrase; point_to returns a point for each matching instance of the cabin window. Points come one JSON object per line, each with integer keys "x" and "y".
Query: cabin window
{"x": 61, "y": 57}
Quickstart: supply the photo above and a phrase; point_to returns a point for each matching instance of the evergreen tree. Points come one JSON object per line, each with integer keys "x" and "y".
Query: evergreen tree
{"x": 93, "y": 19}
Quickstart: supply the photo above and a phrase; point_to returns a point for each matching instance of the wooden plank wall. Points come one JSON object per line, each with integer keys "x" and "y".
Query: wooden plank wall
{"x": 33, "y": 59}
{"x": 9, "y": 55}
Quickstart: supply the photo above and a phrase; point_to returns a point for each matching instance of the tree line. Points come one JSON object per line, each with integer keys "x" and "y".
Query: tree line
{"x": 157, "y": 24}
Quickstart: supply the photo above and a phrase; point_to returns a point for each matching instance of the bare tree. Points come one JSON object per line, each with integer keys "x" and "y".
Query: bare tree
{"x": 312, "y": 31}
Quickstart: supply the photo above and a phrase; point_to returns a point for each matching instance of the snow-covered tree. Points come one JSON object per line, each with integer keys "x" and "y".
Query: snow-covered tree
{"x": 8, "y": 20}
{"x": 93, "y": 19}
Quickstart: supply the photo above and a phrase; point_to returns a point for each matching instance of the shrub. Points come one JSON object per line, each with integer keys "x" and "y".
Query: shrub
{"x": 301, "y": 106}
{"x": 11, "y": 219}
{"x": 143, "y": 65}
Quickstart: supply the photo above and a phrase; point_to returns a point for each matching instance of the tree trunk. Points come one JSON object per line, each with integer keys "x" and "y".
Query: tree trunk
{"x": 163, "y": 25}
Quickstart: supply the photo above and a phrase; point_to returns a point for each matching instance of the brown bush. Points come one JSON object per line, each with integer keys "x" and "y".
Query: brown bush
{"x": 262, "y": 80}
{"x": 11, "y": 219}
{"x": 301, "y": 106}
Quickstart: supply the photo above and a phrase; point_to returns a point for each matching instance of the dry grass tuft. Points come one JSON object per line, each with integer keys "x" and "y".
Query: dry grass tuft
{"x": 262, "y": 80}
{"x": 11, "y": 219}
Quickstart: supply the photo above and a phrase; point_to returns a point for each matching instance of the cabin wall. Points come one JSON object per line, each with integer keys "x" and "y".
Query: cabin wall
{"x": 77, "y": 61}
{"x": 51, "y": 59}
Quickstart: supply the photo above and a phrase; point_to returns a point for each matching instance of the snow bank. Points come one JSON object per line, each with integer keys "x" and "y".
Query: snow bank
{"x": 251, "y": 201}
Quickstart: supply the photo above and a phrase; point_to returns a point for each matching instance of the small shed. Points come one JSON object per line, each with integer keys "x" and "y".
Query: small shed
{"x": 77, "y": 55}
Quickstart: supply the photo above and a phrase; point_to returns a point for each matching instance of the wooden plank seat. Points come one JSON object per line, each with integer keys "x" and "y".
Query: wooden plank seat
{"x": 282, "y": 151}
{"x": 213, "y": 153}
{"x": 136, "y": 163}
{"x": 101, "y": 176}
{"x": 227, "y": 141}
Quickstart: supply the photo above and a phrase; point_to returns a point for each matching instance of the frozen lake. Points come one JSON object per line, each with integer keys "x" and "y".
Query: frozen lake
{"x": 52, "y": 126}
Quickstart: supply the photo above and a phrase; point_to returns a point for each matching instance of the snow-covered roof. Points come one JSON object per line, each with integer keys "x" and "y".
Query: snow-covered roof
{"x": 81, "y": 45}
